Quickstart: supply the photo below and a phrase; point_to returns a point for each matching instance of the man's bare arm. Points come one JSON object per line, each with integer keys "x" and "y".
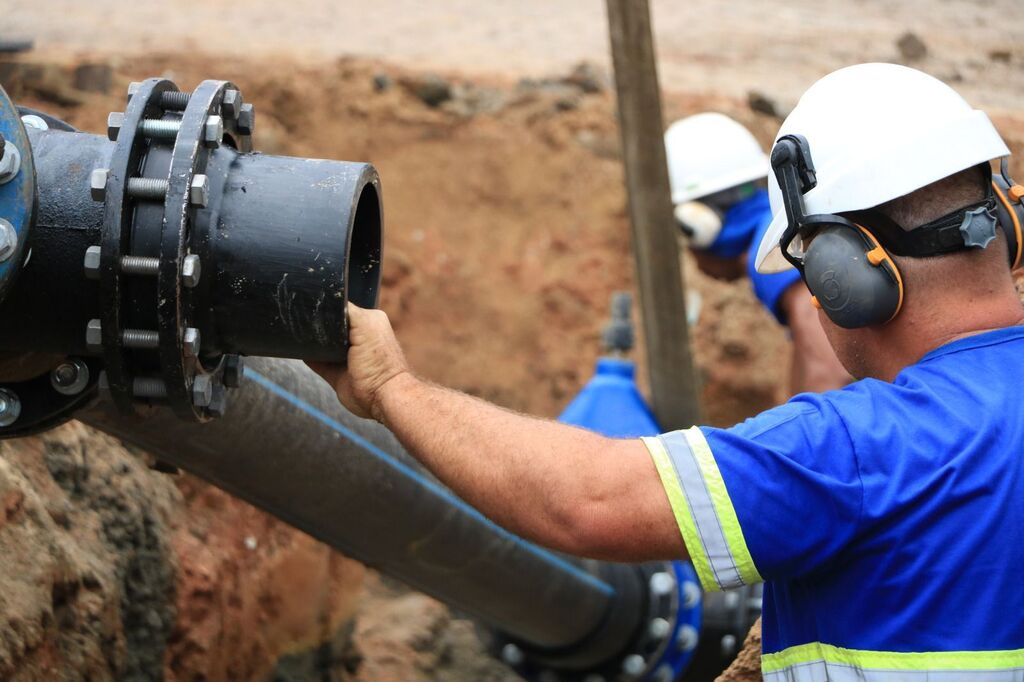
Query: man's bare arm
{"x": 562, "y": 487}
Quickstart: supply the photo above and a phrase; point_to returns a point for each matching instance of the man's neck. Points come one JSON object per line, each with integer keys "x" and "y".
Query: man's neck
{"x": 910, "y": 338}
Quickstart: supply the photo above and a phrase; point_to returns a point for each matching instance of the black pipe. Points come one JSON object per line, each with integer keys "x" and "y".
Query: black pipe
{"x": 282, "y": 241}
{"x": 288, "y": 447}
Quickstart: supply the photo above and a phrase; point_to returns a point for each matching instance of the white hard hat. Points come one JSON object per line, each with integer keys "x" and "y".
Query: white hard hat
{"x": 708, "y": 153}
{"x": 877, "y": 132}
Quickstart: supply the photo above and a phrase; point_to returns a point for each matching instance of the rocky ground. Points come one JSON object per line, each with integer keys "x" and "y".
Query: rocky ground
{"x": 506, "y": 234}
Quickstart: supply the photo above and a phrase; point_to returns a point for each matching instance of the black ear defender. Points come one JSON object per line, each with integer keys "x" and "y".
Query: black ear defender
{"x": 848, "y": 272}
{"x": 1010, "y": 211}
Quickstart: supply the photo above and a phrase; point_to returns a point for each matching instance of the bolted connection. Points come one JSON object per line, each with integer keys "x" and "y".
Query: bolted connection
{"x": 199, "y": 191}
{"x": 140, "y": 338}
{"x": 191, "y": 342}
{"x": 10, "y": 407}
{"x": 213, "y": 131}
{"x": 202, "y": 390}
{"x": 8, "y": 240}
{"x": 70, "y": 377}
{"x": 114, "y": 122}
{"x": 147, "y": 188}
{"x": 92, "y": 262}
{"x": 10, "y": 162}
{"x": 158, "y": 129}
{"x": 94, "y": 335}
{"x": 98, "y": 183}
{"x": 191, "y": 269}
{"x": 149, "y": 387}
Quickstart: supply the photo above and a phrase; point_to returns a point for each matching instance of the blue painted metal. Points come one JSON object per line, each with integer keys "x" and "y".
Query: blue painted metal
{"x": 611, "y": 404}
{"x": 17, "y": 197}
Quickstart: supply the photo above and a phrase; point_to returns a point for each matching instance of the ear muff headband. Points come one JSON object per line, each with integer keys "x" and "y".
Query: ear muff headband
{"x": 880, "y": 258}
{"x": 1013, "y": 211}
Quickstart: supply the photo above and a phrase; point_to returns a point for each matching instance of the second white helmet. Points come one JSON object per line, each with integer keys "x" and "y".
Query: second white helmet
{"x": 710, "y": 152}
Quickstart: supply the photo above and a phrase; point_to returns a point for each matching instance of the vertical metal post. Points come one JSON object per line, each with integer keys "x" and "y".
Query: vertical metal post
{"x": 658, "y": 269}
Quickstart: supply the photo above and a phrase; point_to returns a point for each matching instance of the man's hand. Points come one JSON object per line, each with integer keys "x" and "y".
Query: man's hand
{"x": 374, "y": 359}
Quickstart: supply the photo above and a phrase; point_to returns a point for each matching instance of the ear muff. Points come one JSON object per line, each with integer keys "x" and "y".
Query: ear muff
{"x": 852, "y": 277}
{"x": 1011, "y": 214}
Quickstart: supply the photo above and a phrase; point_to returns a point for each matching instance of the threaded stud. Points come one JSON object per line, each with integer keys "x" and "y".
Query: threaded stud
{"x": 147, "y": 188}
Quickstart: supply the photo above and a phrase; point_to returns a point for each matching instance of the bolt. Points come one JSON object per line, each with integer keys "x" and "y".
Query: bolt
{"x": 10, "y": 407}
{"x": 691, "y": 594}
{"x": 219, "y": 403}
{"x": 202, "y": 390}
{"x": 114, "y": 122}
{"x": 140, "y": 265}
{"x": 234, "y": 370}
{"x": 92, "y": 262}
{"x": 191, "y": 341}
{"x": 213, "y": 131}
{"x": 662, "y": 584}
{"x": 70, "y": 377}
{"x": 659, "y": 628}
{"x": 174, "y": 100}
{"x": 687, "y": 638}
{"x": 199, "y": 191}
{"x": 140, "y": 338}
{"x": 8, "y": 240}
{"x": 664, "y": 673}
{"x": 634, "y": 665}
{"x": 728, "y": 645}
{"x": 94, "y": 336}
{"x": 158, "y": 129}
{"x": 133, "y": 88}
{"x": 246, "y": 119}
{"x": 231, "y": 105}
{"x": 512, "y": 655}
{"x": 147, "y": 188}
{"x": 98, "y": 183}
{"x": 191, "y": 270}
{"x": 33, "y": 121}
{"x": 149, "y": 387}
{"x": 10, "y": 162}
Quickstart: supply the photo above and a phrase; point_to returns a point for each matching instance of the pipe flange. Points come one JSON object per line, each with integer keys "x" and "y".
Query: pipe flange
{"x": 17, "y": 193}
{"x": 662, "y": 642}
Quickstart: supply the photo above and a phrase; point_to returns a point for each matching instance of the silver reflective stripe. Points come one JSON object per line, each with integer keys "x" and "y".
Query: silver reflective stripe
{"x": 703, "y": 509}
{"x": 820, "y": 671}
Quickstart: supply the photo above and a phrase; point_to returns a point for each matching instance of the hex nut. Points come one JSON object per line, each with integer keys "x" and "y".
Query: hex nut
{"x": 246, "y": 119}
{"x": 231, "y": 105}
{"x": 191, "y": 270}
{"x": 8, "y": 240}
{"x": 234, "y": 370}
{"x": 213, "y": 131}
{"x": 191, "y": 341}
{"x": 10, "y": 162}
{"x": 199, "y": 191}
{"x": 70, "y": 377}
{"x": 94, "y": 335}
{"x": 133, "y": 88}
{"x": 218, "y": 403}
{"x": 662, "y": 583}
{"x": 92, "y": 262}
{"x": 98, "y": 184}
{"x": 633, "y": 665}
{"x": 10, "y": 407}
{"x": 33, "y": 121}
{"x": 114, "y": 122}
{"x": 202, "y": 390}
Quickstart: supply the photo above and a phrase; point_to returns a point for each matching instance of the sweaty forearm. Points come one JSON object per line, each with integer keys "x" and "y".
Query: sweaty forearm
{"x": 560, "y": 486}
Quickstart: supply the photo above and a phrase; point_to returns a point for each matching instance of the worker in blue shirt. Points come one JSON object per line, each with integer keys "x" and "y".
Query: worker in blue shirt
{"x": 886, "y": 518}
{"x": 717, "y": 171}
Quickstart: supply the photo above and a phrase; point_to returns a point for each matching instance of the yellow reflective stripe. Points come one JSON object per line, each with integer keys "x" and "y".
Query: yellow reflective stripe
{"x": 723, "y": 506}
{"x": 681, "y": 511}
{"x": 892, "y": 660}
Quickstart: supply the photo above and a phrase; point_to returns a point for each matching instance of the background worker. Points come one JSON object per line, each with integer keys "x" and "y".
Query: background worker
{"x": 886, "y": 517}
{"x": 717, "y": 172}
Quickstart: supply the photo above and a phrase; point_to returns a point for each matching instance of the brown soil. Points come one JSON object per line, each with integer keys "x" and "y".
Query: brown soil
{"x": 506, "y": 235}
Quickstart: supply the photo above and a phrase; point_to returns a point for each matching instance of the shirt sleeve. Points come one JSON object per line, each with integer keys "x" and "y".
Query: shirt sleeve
{"x": 774, "y": 498}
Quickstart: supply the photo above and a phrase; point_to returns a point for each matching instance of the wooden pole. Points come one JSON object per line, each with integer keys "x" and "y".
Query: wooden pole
{"x": 658, "y": 269}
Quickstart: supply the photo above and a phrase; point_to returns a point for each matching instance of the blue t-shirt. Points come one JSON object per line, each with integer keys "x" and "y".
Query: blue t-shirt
{"x": 885, "y": 518}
